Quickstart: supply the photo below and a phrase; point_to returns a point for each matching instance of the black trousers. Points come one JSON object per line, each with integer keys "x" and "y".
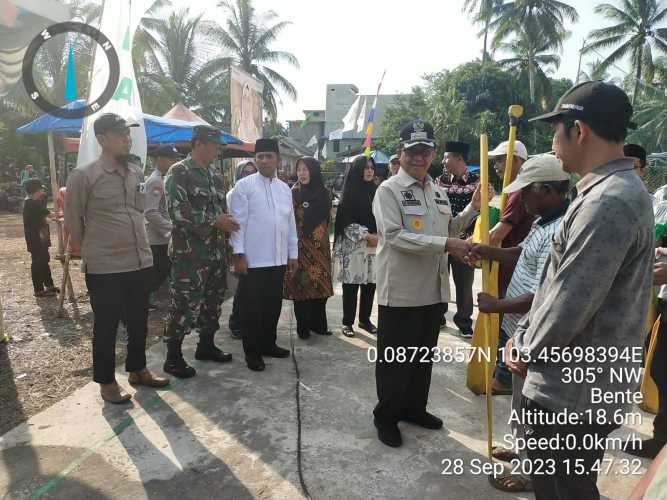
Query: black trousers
{"x": 111, "y": 295}
{"x": 463, "y": 279}
{"x": 261, "y": 299}
{"x": 659, "y": 374}
{"x": 568, "y": 483}
{"x": 161, "y": 266}
{"x": 311, "y": 315}
{"x": 40, "y": 271}
{"x": 403, "y": 386}
{"x": 235, "y": 316}
{"x": 350, "y": 293}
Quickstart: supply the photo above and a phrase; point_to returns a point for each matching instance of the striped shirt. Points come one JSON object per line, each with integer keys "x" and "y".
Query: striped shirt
{"x": 528, "y": 271}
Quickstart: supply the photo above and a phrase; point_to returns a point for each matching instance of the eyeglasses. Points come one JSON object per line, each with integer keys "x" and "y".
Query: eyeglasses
{"x": 418, "y": 151}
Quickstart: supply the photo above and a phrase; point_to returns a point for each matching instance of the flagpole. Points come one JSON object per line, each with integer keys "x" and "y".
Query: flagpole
{"x": 371, "y": 117}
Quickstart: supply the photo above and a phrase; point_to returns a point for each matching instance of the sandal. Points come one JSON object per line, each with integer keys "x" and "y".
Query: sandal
{"x": 347, "y": 331}
{"x": 511, "y": 484}
{"x": 369, "y": 327}
{"x": 503, "y": 454}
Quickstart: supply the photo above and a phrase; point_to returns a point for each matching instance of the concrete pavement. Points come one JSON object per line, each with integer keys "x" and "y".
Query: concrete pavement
{"x": 230, "y": 433}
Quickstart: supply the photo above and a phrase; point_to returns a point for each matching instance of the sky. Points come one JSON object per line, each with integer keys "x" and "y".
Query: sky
{"x": 354, "y": 41}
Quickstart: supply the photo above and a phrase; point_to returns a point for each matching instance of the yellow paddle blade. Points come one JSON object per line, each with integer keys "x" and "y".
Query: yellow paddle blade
{"x": 648, "y": 388}
{"x": 485, "y": 353}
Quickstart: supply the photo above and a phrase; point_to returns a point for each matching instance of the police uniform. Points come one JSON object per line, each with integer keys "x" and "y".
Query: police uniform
{"x": 104, "y": 213}
{"x": 158, "y": 223}
{"x": 195, "y": 199}
{"x": 414, "y": 221}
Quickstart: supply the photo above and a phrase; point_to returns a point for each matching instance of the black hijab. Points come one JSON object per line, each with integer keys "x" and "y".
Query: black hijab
{"x": 356, "y": 205}
{"x": 313, "y": 197}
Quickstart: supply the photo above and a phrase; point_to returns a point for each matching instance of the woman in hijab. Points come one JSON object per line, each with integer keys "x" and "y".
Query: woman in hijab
{"x": 311, "y": 286}
{"x": 243, "y": 169}
{"x": 354, "y": 244}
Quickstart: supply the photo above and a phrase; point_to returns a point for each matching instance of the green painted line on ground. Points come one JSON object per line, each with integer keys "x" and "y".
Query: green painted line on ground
{"x": 115, "y": 431}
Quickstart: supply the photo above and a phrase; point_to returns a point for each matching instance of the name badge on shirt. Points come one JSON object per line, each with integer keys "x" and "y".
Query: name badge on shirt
{"x": 439, "y": 200}
{"x": 409, "y": 199}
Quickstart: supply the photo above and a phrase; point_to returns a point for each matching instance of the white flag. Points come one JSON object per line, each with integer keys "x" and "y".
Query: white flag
{"x": 361, "y": 121}
{"x": 350, "y": 119}
{"x": 336, "y": 134}
{"x": 312, "y": 142}
{"x": 324, "y": 150}
{"x": 120, "y": 20}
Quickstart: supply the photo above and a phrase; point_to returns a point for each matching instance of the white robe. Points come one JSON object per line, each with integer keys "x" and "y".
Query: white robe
{"x": 264, "y": 210}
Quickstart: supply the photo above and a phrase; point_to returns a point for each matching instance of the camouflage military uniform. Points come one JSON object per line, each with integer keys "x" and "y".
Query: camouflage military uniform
{"x": 195, "y": 199}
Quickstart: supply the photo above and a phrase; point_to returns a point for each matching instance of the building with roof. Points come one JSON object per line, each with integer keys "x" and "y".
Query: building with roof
{"x": 326, "y": 124}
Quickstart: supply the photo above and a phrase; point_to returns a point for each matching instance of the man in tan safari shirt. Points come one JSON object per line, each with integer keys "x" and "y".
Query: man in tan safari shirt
{"x": 414, "y": 221}
{"x": 104, "y": 211}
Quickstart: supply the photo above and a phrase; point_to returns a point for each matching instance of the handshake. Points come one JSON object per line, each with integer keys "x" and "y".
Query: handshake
{"x": 466, "y": 251}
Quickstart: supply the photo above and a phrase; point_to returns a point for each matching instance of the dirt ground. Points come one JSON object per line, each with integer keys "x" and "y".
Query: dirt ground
{"x": 48, "y": 357}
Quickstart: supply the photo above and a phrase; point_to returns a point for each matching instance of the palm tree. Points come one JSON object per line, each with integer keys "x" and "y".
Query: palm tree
{"x": 483, "y": 12}
{"x": 594, "y": 71}
{"x": 175, "y": 68}
{"x": 651, "y": 116}
{"x": 144, "y": 38}
{"x": 539, "y": 25}
{"x": 248, "y": 36}
{"x": 50, "y": 66}
{"x": 540, "y": 16}
{"x": 531, "y": 56}
{"x": 635, "y": 34}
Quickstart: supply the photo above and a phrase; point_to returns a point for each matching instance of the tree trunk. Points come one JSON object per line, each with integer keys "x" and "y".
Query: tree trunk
{"x": 531, "y": 78}
{"x": 638, "y": 75}
{"x": 485, "y": 56}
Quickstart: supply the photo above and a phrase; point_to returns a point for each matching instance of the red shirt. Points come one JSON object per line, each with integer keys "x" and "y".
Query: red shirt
{"x": 521, "y": 221}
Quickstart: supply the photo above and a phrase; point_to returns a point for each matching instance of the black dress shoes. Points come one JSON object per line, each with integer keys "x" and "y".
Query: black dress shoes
{"x": 212, "y": 354}
{"x": 389, "y": 434}
{"x": 256, "y": 364}
{"x": 277, "y": 352}
{"x": 425, "y": 420}
{"x": 207, "y": 351}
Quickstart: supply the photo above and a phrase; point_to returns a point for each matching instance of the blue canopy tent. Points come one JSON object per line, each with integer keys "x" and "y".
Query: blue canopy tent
{"x": 158, "y": 130}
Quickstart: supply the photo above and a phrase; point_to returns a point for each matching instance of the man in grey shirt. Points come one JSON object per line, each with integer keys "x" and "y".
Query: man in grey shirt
{"x": 104, "y": 211}
{"x": 158, "y": 224}
{"x": 586, "y": 323}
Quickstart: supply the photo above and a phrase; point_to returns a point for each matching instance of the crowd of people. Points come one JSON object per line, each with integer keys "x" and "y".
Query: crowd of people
{"x": 577, "y": 267}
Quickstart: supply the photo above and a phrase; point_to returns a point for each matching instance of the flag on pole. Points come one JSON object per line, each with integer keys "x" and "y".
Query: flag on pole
{"x": 336, "y": 134}
{"x": 120, "y": 19}
{"x": 371, "y": 117}
{"x": 352, "y": 116}
{"x": 361, "y": 121}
